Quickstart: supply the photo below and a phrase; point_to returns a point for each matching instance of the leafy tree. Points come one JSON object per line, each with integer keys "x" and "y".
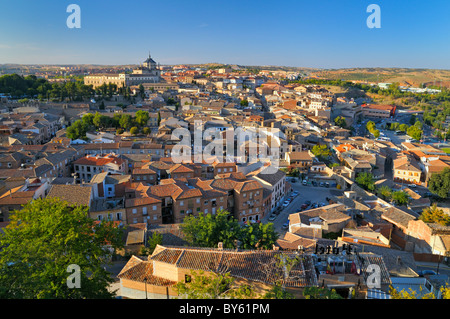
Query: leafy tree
{"x": 385, "y": 192}
{"x": 244, "y": 103}
{"x": 321, "y": 151}
{"x": 141, "y": 91}
{"x": 99, "y": 120}
{"x": 213, "y": 286}
{"x": 277, "y": 292}
{"x": 414, "y": 132}
{"x": 434, "y": 214}
{"x": 208, "y": 230}
{"x": 146, "y": 130}
{"x": 142, "y": 117}
{"x": 411, "y": 294}
{"x": 134, "y": 130}
{"x": 320, "y": 293}
{"x": 439, "y": 183}
{"x": 46, "y": 237}
{"x": 77, "y": 130}
{"x": 400, "y": 198}
{"x": 403, "y": 127}
{"x": 153, "y": 241}
{"x": 88, "y": 119}
{"x": 366, "y": 181}
{"x": 125, "y": 121}
{"x": 340, "y": 121}
{"x": 119, "y": 131}
{"x": 258, "y": 235}
{"x": 376, "y": 133}
{"x": 159, "y": 118}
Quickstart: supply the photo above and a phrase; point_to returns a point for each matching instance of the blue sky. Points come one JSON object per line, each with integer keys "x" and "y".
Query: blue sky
{"x": 323, "y": 34}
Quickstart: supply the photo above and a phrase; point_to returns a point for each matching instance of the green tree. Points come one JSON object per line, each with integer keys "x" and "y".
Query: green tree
{"x": 43, "y": 240}
{"x": 414, "y": 132}
{"x": 385, "y": 192}
{"x": 320, "y": 293}
{"x": 403, "y": 127}
{"x": 119, "y": 131}
{"x": 340, "y": 121}
{"x": 411, "y": 294}
{"x": 99, "y": 120}
{"x": 159, "y": 118}
{"x": 366, "y": 181}
{"x": 400, "y": 198}
{"x": 146, "y": 130}
{"x": 153, "y": 241}
{"x": 77, "y": 130}
{"x": 141, "y": 91}
{"x": 258, "y": 235}
{"x": 125, "y": 121}
{"x": 321, "y": 151}
{"x": 208, "y": 230}
{"x": 376, "y": 133}
{"x": 434, "y": 214}
{"x": 439, "y": 183}
{"x": 142, "y": 118}
{"x": 213, "y": 285}
{"x": 134, "y": 130}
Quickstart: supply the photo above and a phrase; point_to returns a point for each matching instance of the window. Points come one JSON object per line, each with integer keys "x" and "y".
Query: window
{"x": 155, "y": 207}
{"x": 206, "y": 210}
{"x": 198, "y": 200}
{"x": 144, "y": 210}
{"x": 119, "y": 216}
{"x": 182, "y": 212}
{"x": 181, "y": 203}
{"x": 187, "y": 278}
{"x": 100, "y": 217}
{"x": 155, "y": 217}
{"x": 134, "y": 211}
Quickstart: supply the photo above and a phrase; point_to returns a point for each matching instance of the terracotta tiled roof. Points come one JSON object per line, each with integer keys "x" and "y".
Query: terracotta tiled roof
{"x": 139, "y": 270}
{"x": 255, "y": 265}
{"x": 73, "y": 194}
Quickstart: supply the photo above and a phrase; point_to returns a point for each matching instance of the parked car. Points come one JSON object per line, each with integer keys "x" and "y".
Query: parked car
{"x": 412, "y": 185}
{"x": 308, "y": 202}
{"x": 327, "y": 185}
{"x": 295, "y": 193}
{"x": 303, "y": 207}
{"x": 304, "y": 182}
{"x": 286, "y": 225}
{"x": 272, "y": 217}
{"x": 293, "y": 180}
{"x": 322, "y": 184}
{"x": 286, "y": 203}
{"x": 314, "y": 183}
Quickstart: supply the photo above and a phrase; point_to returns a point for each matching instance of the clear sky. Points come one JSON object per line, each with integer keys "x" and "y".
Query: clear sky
{"x": 314, "y": 33}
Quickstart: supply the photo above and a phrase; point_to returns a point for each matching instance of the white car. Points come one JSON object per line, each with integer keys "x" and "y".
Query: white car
{"x": 412, "y": 185}
{"x": 286, "y": 203}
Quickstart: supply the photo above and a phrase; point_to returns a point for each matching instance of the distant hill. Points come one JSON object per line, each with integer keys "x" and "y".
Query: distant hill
{"x": 404, "y": 76}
